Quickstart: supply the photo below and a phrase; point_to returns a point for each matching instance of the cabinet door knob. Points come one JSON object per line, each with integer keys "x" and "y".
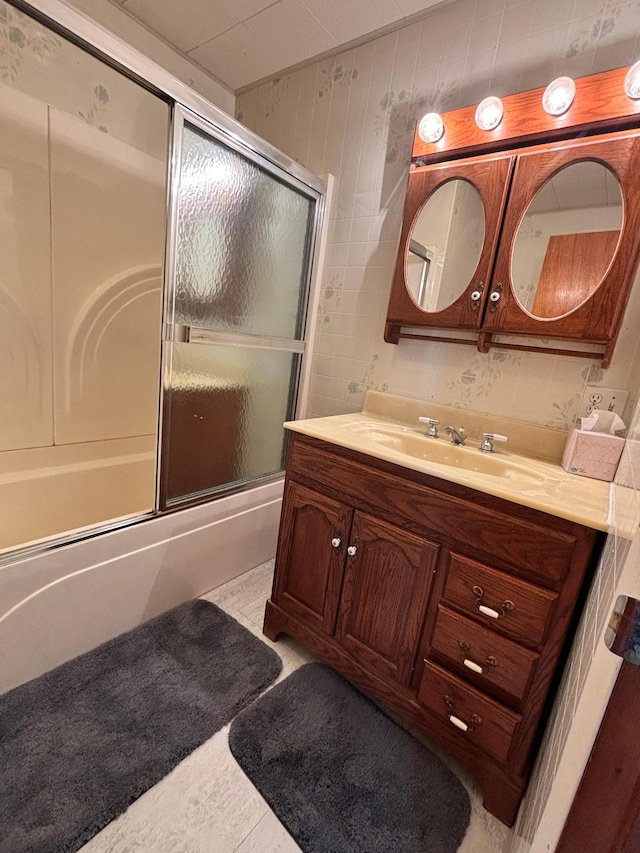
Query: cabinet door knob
{"x": 351, "y": 550}
{"x": 476, "y": 296}
{"x": 494, "y": 297}
{"x": 336, "y": 542}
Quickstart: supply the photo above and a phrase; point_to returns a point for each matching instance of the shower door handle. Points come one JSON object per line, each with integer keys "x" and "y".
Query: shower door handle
{"x": 183, "y": 334}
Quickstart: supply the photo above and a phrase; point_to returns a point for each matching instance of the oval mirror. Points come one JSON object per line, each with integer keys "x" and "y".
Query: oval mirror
{"x": 445, "y": 245}
{"x": 567, "y": 240}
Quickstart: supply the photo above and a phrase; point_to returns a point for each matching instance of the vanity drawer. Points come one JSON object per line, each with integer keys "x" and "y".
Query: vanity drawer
{"x": 509, "y": 605}
{"x": 491, "y": 726}
{"x": 464, "y": 646}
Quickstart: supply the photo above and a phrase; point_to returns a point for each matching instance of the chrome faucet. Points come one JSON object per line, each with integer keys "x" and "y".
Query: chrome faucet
{"x": 432, "y": 432}
{"x": 458, "y": 436}
{"x": 487, "y": 441}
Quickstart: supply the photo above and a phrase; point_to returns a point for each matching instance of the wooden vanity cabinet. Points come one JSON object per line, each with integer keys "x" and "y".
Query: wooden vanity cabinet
{"x": 449, "y": 606}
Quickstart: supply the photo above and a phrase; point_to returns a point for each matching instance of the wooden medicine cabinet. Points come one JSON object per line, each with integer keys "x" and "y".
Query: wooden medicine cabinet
{"x": 525, "y": 234}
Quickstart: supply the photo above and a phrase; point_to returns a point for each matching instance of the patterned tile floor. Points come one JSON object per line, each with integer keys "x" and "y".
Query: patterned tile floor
{"x": 207, "y": 805}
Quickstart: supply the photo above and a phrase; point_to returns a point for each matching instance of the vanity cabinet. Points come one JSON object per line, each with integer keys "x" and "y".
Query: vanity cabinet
{"x": 525, "y": 236}
{"x": 355, "y": 576}
{"x": 450, "y": 606}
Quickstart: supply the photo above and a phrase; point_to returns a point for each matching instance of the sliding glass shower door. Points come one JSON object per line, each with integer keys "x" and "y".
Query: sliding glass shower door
{"x": 239, "y": 270}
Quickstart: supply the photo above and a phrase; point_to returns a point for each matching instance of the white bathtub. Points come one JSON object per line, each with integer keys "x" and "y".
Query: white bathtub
{"x": 63, "y": 601}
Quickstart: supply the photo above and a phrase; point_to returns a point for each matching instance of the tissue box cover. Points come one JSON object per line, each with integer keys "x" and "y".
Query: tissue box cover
{"x": 592, "y": 454}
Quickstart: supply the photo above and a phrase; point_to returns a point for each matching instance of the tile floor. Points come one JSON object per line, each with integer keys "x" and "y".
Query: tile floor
{"x": 207, "y": 805}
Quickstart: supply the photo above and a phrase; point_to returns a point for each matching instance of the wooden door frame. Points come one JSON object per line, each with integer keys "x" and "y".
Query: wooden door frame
{"x": 605, "y": 813}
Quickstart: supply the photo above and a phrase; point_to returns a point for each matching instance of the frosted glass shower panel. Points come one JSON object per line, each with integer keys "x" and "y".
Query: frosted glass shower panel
{"x": 243, "y": 237}
{"x": 228, "y": 404}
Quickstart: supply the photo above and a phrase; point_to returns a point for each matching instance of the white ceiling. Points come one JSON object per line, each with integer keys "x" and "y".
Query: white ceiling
{"x": 242, "y": 41}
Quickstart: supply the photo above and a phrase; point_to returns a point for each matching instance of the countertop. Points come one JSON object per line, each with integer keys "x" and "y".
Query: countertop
{"x": 580, "y": 499}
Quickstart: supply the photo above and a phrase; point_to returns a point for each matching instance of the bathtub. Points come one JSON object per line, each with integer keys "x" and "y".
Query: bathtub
{"x": 58, "y": 602}
{"x": 49, "y": 491}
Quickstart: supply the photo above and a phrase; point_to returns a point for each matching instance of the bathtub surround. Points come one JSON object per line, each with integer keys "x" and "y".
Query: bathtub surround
{"x": 81, "y": 743}
{"x": 340, "y": 775}
{"x": 82, "y": 223}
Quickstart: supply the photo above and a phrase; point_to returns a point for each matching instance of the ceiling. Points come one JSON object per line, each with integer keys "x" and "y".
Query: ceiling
{"x": 242, "y": 41}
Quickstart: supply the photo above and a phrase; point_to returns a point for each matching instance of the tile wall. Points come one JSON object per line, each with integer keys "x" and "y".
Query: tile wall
{"x": 353, "y": 115}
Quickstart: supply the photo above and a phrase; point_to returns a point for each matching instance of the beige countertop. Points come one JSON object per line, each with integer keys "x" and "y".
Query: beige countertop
{"x": 527, "y": 473}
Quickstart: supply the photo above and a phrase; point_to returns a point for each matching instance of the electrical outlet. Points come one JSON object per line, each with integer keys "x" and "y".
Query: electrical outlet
{"x": 609, "y": 399}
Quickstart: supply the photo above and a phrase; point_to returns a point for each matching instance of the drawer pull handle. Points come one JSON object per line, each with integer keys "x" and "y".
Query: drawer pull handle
{"x": 505, "y": 607}
{"x": 490, "y": 660}
{"x": 474, "y": 720}
{"x": 352, "y": 550}
{"x": 336, "y": 542}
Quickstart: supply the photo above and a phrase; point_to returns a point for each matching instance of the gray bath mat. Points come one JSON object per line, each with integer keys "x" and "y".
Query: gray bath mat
{"x": 341, "y": 776}
{"x": 81, "y": 743}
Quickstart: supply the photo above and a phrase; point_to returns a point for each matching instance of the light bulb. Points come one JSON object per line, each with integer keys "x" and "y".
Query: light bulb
{"x": 632, "y": 82}
{"x": 558, "y": 96}
{"x": 431, "y": 127}
{"x": 489, "y": 113}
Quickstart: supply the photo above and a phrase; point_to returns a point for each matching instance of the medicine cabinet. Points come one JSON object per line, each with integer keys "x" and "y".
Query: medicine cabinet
{"x": 523, "y": 239}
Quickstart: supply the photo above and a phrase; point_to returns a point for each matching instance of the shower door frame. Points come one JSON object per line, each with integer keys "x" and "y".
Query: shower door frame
{"x": 129, "y": 61}
{"x": 313, "y": 189}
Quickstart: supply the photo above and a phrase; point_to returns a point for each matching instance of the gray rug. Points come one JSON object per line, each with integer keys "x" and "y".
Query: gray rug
{"x": 341, "y": 776}
{"x": 81, "y": 743}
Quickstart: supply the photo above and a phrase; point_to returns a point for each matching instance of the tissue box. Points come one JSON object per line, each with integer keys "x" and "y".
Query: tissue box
{"x": 592, "y": 454}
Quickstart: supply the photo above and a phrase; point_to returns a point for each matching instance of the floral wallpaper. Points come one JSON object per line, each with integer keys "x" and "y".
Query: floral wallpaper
{"x": 354, "y": 114}
{"x": 39, "y": 63}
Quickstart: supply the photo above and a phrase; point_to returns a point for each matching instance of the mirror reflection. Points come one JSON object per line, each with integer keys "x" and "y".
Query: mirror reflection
{"x": 566, "y": 240}
{"x": 445, "y": 245}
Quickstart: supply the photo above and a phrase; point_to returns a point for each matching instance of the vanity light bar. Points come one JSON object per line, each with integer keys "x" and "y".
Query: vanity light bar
{"x": 632, "y": 82}
{"x": 489, "y": 113}
{"x": 558, "y": 96}
{"x": 431, "y": 127}
{"x": 608, "y": 100}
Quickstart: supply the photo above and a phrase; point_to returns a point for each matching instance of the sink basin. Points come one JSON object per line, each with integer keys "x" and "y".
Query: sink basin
{"x": 442, "y": 452}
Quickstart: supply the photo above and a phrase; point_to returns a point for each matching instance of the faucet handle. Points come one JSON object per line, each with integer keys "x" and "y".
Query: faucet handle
{"x": 488, "y": 438}
{"x": 432, "y": 432}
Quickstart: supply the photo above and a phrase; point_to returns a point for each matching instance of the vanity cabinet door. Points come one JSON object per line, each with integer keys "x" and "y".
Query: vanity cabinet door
{"x": 450, "y": 229}
{"x": 385, "y": 595}
{"x": 570, "y": 241}
{"x": 311, "y": 554}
